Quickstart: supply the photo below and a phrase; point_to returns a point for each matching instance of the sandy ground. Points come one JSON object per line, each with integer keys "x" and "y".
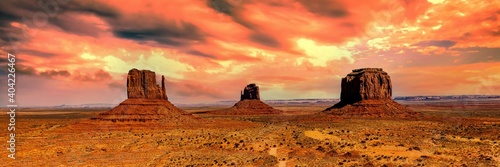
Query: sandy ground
{"x": 450, "y": 134}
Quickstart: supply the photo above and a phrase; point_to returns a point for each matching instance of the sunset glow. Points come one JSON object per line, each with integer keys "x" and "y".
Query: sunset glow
{"x": 209, "y": 50}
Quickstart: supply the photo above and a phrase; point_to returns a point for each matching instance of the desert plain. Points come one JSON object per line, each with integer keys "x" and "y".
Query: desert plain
{"x": 448, "y": 133}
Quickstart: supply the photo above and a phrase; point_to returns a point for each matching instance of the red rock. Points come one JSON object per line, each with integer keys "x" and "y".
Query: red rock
{"x": 146, "y": 110}
{"x": 367, "y": 92}
{"x": 146, "y": 102}
{"x": 142, "y": 84}
{"x": 364, "y": 84}
{"x": 249, "y": 104}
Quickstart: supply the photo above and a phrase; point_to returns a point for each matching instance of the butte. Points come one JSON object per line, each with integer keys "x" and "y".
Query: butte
{"x": 147, "y": 102}
{"x": 249, "y": 104}
{"x": 367, "y": 92}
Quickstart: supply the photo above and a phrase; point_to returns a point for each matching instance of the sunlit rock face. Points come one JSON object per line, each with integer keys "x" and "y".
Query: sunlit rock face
{"x": 367, "y": 92}
{"x": 142, "y": 84}
{"x": 366, "y": 84}
{"x": 147, "y": 102}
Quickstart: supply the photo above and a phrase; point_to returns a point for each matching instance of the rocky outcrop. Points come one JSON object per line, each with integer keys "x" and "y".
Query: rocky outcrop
{"x": 251, "y": 92}
{"x": 368, "y": 92}
{"x": 249, "y": 104}
{"x": 142, "y": 84}
{"x": 147, "y": 102}
{"x": 364, "y": 84}
{"x": 146, "y": 110}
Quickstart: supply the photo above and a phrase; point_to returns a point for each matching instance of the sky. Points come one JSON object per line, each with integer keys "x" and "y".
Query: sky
{"x": 79, "y": 52}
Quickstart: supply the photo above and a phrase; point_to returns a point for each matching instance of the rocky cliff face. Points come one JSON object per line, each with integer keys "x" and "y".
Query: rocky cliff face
{"x": 147, "y": 102}
{"x": 142, "y": 84}
{"x": 251, "y": 92}
{"x": 365, "y": 84}
{"x": 367, "y": 92}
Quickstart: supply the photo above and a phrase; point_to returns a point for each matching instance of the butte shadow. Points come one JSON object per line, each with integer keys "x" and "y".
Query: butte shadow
{"x": 249, "y": 104}
{"x": 146, "y": 102}
{"x": 367, "y": 92}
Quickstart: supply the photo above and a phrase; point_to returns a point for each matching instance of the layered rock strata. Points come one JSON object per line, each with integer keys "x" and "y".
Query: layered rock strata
{"x": 368, "y": 92}
{"x": 147, "y": 101}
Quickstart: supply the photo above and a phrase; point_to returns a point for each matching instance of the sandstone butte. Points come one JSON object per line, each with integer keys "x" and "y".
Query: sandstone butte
{"x": 249, "y": 104}
{"x": 367, "y": 92}
{"x": 147, "y": 102}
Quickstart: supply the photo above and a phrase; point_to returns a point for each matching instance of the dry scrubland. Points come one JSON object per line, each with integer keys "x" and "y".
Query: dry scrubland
{"x": 450, "y": 134}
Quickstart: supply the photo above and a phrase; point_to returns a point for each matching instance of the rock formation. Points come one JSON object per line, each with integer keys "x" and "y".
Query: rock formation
{"x": 147, "y": 101}
{"x": 142, "y": 84}
{"x": 365, "y": 84}
{"x": 368, "y": 92}
{"x": 251, "y": 92}
{"x": 249, "y": 104}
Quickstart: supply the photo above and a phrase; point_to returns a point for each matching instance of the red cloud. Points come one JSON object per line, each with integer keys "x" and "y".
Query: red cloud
{"x": 209, "y": 51}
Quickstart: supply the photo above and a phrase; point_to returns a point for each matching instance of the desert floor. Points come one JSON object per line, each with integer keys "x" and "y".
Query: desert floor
{"x": 451, "y": 133}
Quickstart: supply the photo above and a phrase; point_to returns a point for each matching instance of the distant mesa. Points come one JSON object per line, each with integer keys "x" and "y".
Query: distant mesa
{"x": 251, "y": 92}
{"x": 249, "y": 104}
{"x": 147, "y": 101}
{"x": 367, "y": 92}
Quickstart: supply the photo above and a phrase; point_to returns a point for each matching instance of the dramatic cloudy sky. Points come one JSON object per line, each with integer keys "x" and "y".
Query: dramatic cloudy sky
{"x": 78, "y": 52}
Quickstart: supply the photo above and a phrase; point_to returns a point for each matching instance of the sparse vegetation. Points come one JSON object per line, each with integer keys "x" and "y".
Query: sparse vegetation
{"x": 300, "y": 138}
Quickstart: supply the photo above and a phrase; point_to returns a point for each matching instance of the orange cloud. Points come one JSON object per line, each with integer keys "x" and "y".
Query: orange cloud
{"x": 209, "y": 50}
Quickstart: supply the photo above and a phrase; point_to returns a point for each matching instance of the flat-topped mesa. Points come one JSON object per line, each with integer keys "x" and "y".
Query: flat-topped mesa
{"x": 142, "y": 84}
{"x": 367, "y": 92}
{"x": 368, "y": 70}
{"x": 251, "y": 92}
{"x": 366, "y": 84}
